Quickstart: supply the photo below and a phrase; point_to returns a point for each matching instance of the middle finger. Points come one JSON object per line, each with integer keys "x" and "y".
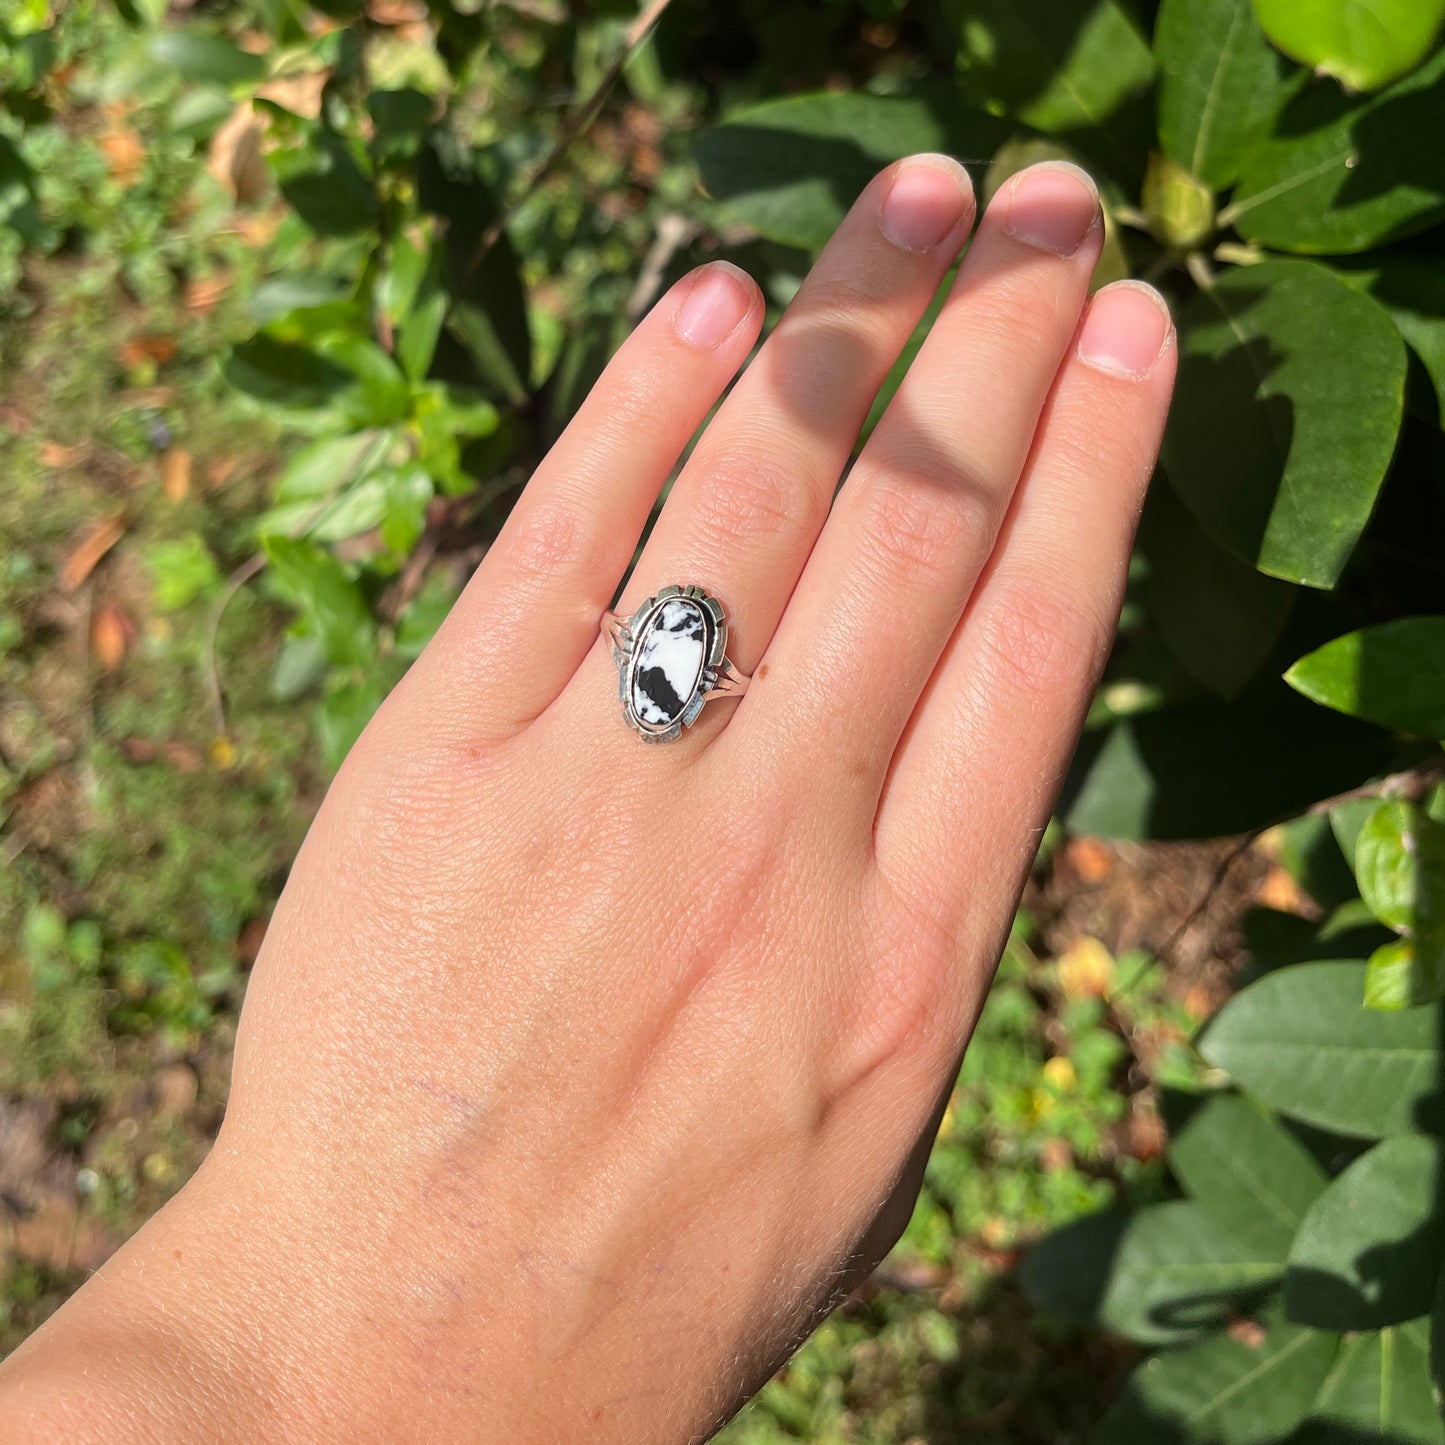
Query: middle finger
{"x": 918, "y": 516}
{"x": 745, "y": 511}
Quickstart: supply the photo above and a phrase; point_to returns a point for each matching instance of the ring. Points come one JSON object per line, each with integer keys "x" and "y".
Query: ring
{"x": 671, "y": 657}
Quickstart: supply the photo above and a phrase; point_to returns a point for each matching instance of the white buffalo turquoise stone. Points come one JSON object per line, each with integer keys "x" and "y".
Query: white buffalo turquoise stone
{"x": 667, "y": 662}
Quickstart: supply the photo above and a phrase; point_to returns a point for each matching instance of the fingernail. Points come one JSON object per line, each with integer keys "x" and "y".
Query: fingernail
{"x": 1053, "y": 206}
{"x": 926, "y": 202}
{"x": 1125, "y": 330}
{"x": 716, "y": 302}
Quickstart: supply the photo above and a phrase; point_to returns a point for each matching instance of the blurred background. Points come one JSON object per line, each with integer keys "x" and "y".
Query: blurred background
{"x": 292, "y": 298}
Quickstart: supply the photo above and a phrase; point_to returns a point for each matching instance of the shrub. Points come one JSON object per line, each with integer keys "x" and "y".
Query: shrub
{"x": 459, "y": 254}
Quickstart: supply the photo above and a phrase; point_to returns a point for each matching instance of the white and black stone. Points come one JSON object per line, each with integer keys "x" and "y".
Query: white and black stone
{"x": 667, "y": 662}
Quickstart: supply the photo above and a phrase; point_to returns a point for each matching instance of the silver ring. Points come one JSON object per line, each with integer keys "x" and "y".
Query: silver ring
{"x": 671, "y": 657}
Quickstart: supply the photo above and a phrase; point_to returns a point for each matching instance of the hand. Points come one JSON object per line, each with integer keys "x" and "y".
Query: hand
{"x": 578, "y": 1077}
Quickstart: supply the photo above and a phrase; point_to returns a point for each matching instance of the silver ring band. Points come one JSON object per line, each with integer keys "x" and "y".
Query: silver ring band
{"x": 671, "y": 657}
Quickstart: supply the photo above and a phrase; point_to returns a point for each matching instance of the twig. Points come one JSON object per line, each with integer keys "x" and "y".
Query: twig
{"x": 237, "y": 580}
{"x": 673, "y": 232}
{"x": 254, "y": 564}
{"x": 1411, "y": 783}
{"x": 576, "y": 124}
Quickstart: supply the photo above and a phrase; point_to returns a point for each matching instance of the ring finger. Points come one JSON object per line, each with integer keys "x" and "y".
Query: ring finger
{"x": 746, "y": 509}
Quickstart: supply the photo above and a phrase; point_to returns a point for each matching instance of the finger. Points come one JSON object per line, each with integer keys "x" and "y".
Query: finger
{"x": 918, "y": 515}
{"x": 985, "y": 752}
{"x": 747, "y": 507}
{"x": 529, "y": 615}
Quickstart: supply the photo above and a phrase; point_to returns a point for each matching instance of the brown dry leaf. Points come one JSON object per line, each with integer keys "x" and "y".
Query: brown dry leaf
{"x": 111, "y": 634}
{"x": 220, "y": 470}
{"x": 57, "y": 454}
{"x": 1086, "y": 970}
{"x": 1147, "y": 1136}
{"x": 176, "y": 474}
{"x": 1055, "y": 1156}
{"x": 124, "y": 153}
{"x": 154, "y": 347}
{"x": 299, "y": 93}
{"x": 1091, "y": 860}
{"x": 1280, "y": 890}
{"x": 396, "y": 12}
{"x": 89, "y": 550}
{"x": 173, "y": 1091}
{"x": 204, "y": 293}
{"x": 258, "y": 228}
{"x": 153, "y": 396}
{"x": 236, "y": 158}
{"x": 15, "y": 419}
{"x": 1199, "y": 1002}
{"x": 250, "y": 939}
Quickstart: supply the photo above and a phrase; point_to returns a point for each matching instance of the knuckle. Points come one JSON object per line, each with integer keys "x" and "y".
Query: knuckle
{"x": 544, "y": 539}
{"x": 1021, "y": 303}
{"x": 922, "y": 517}
{"x": 846, "y": 296}
{"x": 752, "y": 494}
{"x": 903, "y": 997}
{"x": 1040, "y": 641}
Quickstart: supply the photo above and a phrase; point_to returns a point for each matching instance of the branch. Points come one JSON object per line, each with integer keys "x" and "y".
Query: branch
{"x": 576, "y": 124}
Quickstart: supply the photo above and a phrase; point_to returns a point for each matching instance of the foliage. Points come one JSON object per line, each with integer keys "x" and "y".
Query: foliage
{"x": 448, "y": 260}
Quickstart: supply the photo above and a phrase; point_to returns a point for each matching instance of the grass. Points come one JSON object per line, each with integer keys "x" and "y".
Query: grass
{"x": 145, "y": 837}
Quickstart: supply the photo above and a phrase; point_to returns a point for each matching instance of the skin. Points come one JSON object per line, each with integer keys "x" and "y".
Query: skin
{"x": 578, "y": 1078}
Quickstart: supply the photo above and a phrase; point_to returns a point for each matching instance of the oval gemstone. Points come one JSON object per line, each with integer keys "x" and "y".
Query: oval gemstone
{"x": 668, "y": 659}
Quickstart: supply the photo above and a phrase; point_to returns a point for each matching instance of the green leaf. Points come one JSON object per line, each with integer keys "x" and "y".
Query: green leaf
{"x": 282, "y": 295}
{"x": 1363, "y": 43}
{"x": 1222, "y": 1392}
{"x": 285, "y": 375}
{"x": 1301, "y": 1040}
{"x": 1279, "y": 349}
{"x": 1385, "y": 865}
{"x": 1205, "y": 769}
{"x": 1400, "y": 868}
{"x": 1054, "y": 67}
{"x": 325, "y": 185}
{"x": 1377, "y": 1391}
{"x": 380, "y": 394}
{"x": 1251, "y": 1175}
{"x": 400, "y": 120}
{"x": 329, "y": 600}
{"x": 202, "y": 54}
{"x": 489, "y": 304}
{"x": 418, "y": 624}
{"x": 1369, "y": 1251}
{"x": 407, "y": 491}
{"x": 1067, "y": 1272}
{"x": 1393, "y": 978}
{"x": 181, "y": 571}
{"x": 1411, "y": 287}
{"x": 1220, "y": 86}
{"x": 1392, "y": 674}
{"x": 322, "y": 466}
{"x": 790, "y": 168}
{"x": 1341, "y": 175}
{"x": 1177, "y": 1272}
{"x": 300, "y": 665}
{"x": 414, "y": 301}
{"x": 1219, "y": 616}
{"x": 346, "y": 708}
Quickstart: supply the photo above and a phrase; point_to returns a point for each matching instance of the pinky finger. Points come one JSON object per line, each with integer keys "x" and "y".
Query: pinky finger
{"x": 987, "y": 746}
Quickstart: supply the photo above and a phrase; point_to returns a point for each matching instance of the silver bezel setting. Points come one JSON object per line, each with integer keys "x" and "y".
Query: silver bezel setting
{"x": 714, "y": 669}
